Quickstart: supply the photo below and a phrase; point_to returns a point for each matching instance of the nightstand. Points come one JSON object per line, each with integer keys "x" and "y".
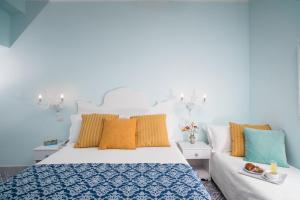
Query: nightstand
{"x": 198, "y": 156}
{"x": 42, "y": 152}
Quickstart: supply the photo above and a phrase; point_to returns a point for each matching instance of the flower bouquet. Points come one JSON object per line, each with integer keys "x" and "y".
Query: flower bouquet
{"x": 191, "y": 129}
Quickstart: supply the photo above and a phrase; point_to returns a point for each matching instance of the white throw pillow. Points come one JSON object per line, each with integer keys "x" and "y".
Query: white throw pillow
{"x": 219, "y": 138}
{"x": 75, "y": 128}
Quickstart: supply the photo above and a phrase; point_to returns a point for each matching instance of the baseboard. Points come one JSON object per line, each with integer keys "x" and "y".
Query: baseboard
{"x": 6, "y": 172}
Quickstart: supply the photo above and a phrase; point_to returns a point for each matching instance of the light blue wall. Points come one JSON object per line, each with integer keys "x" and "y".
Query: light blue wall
{"x": 15, "y": 16}
{"x": 5, "y": 28}
{"x": 20, "y": 5}
{"x": 20, "y": 21}
{"x": 275, "y": 31}
{"x": 85, "y": 49}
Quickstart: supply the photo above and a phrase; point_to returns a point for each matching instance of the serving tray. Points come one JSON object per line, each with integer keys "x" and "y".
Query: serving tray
{"x": 278, "y": 181}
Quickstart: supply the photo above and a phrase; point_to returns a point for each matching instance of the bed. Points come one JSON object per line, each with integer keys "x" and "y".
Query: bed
{"x": 224, "y": 172}
{"x": 69, "y": 154}
{"x": 89, "y": 173}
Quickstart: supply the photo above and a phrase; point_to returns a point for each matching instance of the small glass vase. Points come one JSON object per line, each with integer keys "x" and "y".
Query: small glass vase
{"x": 192, "y": 138}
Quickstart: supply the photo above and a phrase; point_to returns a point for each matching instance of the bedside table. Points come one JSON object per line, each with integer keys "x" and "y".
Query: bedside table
{"x": 42, "y": 152}
{"x": 198, "y": 156}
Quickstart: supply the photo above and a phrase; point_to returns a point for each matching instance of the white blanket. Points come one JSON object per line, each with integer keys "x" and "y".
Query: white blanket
{"x": 235, "y": 186}
{"x": 69, "y": 154}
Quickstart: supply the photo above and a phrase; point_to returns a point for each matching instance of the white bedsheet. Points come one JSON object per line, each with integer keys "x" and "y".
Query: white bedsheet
{"x": 69, "y": 154}
{"x": 224, "y": 171}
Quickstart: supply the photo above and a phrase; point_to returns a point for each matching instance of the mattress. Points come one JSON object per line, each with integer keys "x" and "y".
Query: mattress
{"x": 68, "y": 154}
{"x": 224, "y": 171}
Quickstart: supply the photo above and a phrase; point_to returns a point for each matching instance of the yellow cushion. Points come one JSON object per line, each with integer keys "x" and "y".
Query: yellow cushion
{"x": 91, "y": 129}
{"x": 238, "y": 139}
{"x": 151, "y": 131}
{"x": 118, "y": 134}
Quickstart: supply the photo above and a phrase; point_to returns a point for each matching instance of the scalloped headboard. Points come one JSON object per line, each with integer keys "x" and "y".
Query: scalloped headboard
{"x": 128, "y": 102}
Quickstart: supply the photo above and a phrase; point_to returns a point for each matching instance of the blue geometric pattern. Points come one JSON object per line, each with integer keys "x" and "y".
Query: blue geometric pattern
{"x": 140, "y": 181}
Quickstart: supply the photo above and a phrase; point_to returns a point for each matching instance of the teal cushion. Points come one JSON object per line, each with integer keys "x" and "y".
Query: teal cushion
{"x": 263, "y": 146}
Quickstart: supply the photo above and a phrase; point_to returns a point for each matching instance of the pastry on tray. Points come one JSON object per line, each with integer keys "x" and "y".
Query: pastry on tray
{"x": 253, "y": 168}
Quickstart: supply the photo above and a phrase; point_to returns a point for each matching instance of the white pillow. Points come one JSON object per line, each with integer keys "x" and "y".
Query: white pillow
{"x": 219, "y": 138}
{"x": 75, "y": 128}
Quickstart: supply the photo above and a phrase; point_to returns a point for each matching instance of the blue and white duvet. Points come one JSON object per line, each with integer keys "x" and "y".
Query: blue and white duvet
{"x": 105, "y": 181}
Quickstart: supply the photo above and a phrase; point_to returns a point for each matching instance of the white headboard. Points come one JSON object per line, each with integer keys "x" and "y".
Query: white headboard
{"x": 128, "y": 102}
{"x": 125, "y": 98}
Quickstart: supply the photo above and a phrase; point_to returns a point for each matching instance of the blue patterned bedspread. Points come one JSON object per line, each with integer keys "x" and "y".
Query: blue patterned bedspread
{"x": 105, "y": 181}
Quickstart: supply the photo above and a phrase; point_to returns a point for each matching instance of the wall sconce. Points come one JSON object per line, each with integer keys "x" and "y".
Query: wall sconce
{"x": 181, "y": 97}
{"x": 40, "y": 97}
{"x": 204, "y": 98}
{"x": 190, "y": 105}
{"x": 47, "y": 103}
{"x": 62, "y": 97}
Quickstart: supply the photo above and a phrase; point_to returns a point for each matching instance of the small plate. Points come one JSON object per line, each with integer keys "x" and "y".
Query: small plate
{"x": 251, "y": 172}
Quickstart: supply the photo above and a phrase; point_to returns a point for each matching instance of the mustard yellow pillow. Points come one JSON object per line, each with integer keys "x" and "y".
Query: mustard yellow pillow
{"x": 91, "y": 129}
{"x": 151, "y": 131}
{"x": 118, "y": 134}
{"x": 238, "y": 138}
